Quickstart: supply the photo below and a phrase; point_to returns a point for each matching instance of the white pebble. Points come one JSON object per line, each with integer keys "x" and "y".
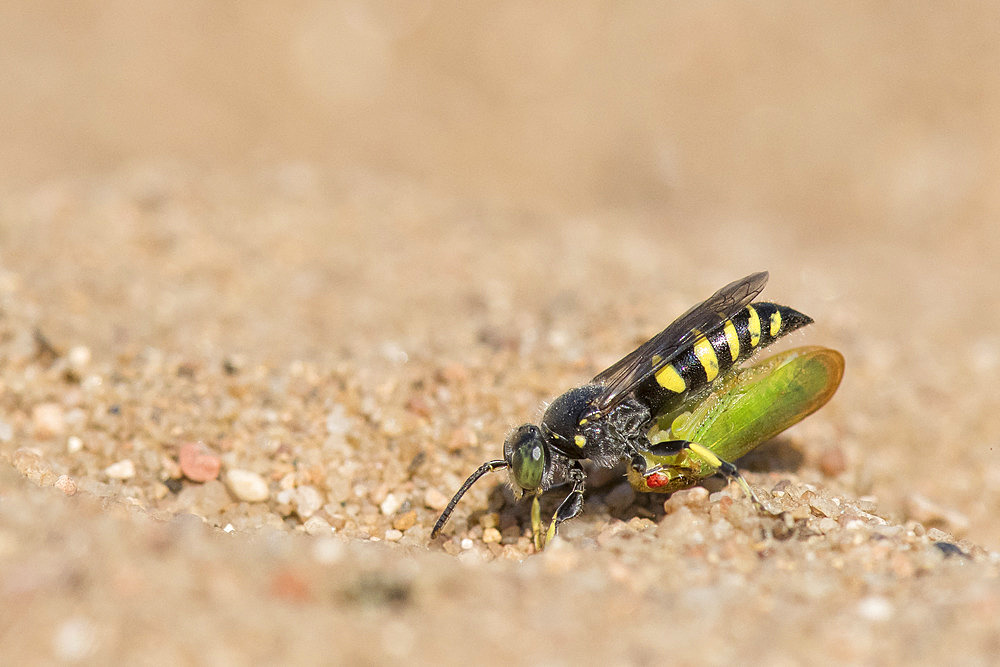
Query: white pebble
{"x": 393, "y": 535}
{"x": 337, "y": 422}
{"x": 78, "y": 357}
{"x": 73, "y": 444}
{"x": 308, "y": 501}
{"x": 247, "y": 486}
{"x": 123, "y": 469}
{"x": 467, "y": 543}
{"x": 48, "y": 419}
{"x": 317, "y": 525}
{"x": 390, "y": 505}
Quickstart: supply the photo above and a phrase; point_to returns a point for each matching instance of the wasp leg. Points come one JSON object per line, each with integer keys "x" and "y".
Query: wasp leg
{"x": 536, "y": 523}
{"x": 727, "y": 469}
{"x": 638, "y": 464}
{"x": 568, "y": 508}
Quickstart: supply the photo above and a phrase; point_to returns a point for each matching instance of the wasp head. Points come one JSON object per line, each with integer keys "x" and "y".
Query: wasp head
{"x": 525, "y": 452}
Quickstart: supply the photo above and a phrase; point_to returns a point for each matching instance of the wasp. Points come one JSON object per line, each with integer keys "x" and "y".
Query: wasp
{"x": 678, "y": 409}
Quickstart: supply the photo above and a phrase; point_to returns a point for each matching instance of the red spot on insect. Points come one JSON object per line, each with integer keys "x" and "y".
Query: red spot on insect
{"x": 656, "y": 480}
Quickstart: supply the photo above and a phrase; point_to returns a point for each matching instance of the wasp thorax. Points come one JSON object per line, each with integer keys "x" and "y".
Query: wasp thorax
{"x": 562, "y": 418}
{"x": 525, "y": 454}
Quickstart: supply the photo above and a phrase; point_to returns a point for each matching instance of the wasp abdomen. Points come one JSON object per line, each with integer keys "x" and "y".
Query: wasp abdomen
{"x": 711, "y": 356}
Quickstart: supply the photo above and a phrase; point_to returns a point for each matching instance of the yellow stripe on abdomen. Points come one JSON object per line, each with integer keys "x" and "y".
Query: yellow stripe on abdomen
{"x": 706, "y": 355}
{"x": 775, "y": 322}
{"x": 668, "y": 378}
{"x": 733, "y": 339}
{"x": 753, "y": 326}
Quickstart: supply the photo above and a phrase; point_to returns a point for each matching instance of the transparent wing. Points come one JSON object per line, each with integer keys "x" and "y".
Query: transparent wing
{"x": 698, "y": 322}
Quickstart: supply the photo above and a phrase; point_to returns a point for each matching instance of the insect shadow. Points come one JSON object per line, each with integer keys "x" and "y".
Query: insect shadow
{"x": 774, "y": 455}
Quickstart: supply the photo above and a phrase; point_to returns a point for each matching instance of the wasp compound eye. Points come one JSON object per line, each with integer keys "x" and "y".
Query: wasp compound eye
{"x": 527, "y": 457}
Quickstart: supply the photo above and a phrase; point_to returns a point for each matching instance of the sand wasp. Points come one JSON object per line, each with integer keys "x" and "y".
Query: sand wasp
{"x": 678, "y": 409}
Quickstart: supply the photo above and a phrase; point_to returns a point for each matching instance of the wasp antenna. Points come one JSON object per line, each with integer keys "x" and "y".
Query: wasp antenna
{"x": 489, "y": 466}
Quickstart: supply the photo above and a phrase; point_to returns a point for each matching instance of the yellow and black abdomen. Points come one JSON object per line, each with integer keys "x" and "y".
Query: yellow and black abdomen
{"x": 711, "y": 356}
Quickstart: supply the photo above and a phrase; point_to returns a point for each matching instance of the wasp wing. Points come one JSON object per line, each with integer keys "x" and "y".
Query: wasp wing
{"x": 661, "y": 349}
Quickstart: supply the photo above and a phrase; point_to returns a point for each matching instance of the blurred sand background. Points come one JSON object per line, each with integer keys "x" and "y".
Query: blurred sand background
{"x": 348, "y": 245}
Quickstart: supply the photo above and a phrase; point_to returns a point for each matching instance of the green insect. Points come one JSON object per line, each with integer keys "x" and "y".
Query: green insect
{"x": 678, "y": 409}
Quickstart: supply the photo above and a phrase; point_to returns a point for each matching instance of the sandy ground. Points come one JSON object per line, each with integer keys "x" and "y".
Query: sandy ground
{"x": 346, "y": 248}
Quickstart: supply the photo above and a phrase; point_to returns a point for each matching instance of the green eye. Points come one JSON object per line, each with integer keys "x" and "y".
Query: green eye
{"x": 527, "y": 463}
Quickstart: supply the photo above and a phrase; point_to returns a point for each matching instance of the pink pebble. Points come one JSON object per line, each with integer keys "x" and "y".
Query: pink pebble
{"x": 198, "y": 462}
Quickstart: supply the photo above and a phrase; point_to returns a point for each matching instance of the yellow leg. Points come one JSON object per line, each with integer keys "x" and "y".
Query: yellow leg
{"x": 726, "y": 468}
{"x": 551, "y": 532}
{"x": 569, "y": 508}
{"x": 541, "y": 539}
{"x": 536, "y": 524}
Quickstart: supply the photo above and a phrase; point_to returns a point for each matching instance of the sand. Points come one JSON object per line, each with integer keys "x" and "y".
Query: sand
{"x": 266, "y": 300}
